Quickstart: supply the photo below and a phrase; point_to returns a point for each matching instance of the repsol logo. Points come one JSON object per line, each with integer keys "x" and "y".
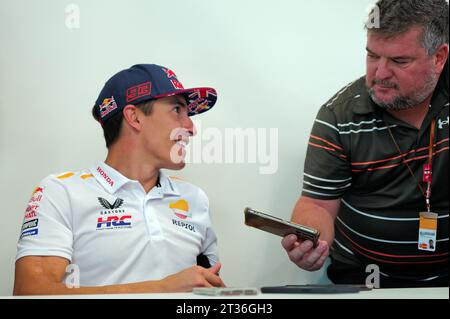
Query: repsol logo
{"x": 184, "y": 225}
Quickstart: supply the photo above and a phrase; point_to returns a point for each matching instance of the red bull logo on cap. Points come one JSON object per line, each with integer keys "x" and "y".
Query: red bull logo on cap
{"x": 108, "y": 105}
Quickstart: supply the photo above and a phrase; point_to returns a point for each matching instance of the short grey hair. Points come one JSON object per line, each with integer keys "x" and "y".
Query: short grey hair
{"x": 399, "y": 16}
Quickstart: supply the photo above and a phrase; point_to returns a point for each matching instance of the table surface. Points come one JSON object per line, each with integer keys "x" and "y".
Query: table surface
{"x": 404, "y": 293}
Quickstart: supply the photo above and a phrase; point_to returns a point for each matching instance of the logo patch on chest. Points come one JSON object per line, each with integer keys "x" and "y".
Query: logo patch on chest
{"x": 181, "y": 209}
{"x": 113, "y": 217}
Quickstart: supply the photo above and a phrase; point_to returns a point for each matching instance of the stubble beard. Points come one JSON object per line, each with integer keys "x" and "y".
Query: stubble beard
{"x": 399, "y": 102}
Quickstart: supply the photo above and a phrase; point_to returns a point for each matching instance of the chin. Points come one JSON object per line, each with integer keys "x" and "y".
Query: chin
{"x": 180, "y": 166}
{"x": 380, "y": 98}
{"x": 175, "y": 166}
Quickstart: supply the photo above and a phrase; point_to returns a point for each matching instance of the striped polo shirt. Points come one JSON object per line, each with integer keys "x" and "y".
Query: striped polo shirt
{"x": 351, "y": 155}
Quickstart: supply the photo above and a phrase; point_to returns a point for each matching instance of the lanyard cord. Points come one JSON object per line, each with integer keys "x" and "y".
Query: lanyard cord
{"x": 430, "y": 164}
{"x": 427, "y": 193}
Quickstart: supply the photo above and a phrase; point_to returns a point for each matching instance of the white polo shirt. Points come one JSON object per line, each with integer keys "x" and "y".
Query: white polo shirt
{"x": 113, "y": 230}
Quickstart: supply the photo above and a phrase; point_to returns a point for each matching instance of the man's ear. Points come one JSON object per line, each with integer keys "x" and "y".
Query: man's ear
{"x": 131, "y": 116}
{"x": 440, "y": 57}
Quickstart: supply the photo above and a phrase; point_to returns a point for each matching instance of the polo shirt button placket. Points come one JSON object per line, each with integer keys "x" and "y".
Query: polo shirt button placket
{"x": 151, "y": 218}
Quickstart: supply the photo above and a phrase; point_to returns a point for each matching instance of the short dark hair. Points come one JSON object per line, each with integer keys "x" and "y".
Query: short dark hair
{"x": 113, "y": 127}
{"x": 398, "y": 16}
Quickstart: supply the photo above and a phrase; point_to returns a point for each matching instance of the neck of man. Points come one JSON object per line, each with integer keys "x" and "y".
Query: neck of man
{"x": 124, "y": 157}
{"x": 414, "y": 116}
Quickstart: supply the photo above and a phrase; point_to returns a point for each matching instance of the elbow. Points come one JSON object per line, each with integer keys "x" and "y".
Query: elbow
{"x": 21, "y": 289}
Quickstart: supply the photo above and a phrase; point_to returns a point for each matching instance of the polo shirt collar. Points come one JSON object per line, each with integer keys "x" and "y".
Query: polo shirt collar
{"x": 108, "y": 177}
{"x": 167, "y": 185}
{"x": 364, "y": 104}
{"x": 440, "y": 95}
{"x": 112, "y": 180}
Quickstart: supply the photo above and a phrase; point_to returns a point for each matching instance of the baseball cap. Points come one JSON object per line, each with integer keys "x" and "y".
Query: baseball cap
{"x": 143, "y": 82}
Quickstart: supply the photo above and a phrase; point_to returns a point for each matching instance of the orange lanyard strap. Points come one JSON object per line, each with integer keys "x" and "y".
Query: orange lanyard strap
{"x": 430, "y": 147}
{"x": 428, "y": 168}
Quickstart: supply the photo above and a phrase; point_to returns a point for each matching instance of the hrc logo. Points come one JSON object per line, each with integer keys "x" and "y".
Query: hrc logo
{"x": 113, "y": 222}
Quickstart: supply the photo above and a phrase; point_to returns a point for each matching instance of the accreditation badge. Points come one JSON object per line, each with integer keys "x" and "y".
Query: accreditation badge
{"x": 427, "y": 231}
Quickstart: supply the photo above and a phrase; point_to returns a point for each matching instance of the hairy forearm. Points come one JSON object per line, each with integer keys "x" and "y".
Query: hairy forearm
{"x": 51, "y": 288}
{"x": 319, "y": 217}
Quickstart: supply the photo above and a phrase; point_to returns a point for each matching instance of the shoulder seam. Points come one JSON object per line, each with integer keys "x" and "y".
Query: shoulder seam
{"x": 177, "y": 178}
{"x": 65, "y": 175}
{"x": 338, "y": 99}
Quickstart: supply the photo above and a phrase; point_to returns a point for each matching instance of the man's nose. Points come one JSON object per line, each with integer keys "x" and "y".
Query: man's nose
{"x": 188, "y": 124}
{"x": 383, "y": 71}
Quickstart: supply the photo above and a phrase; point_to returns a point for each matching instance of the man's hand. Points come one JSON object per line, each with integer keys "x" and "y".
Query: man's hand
{"x": 319, "y": 214}
{"x": 195, "y": 276}
{"x": 303, "y": 254}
